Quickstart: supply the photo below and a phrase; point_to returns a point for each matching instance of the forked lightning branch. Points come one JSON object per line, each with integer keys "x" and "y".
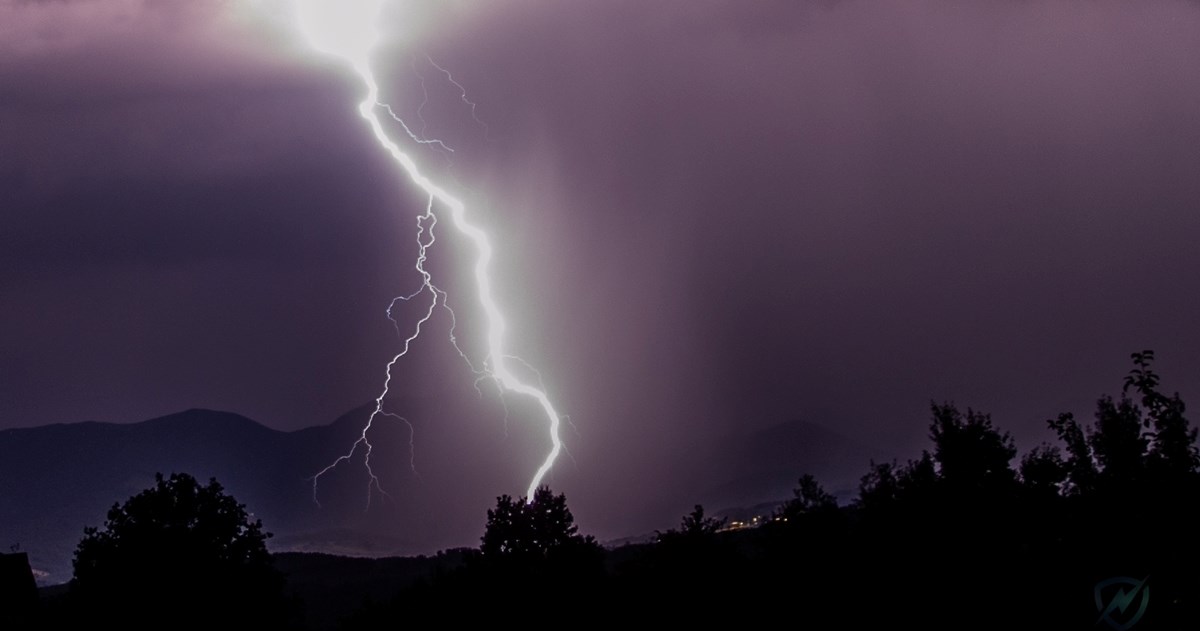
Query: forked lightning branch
{"x": 347, "y": 29}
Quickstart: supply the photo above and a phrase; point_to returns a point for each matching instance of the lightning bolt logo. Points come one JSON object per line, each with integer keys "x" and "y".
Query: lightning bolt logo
{"x": 347, "y": 30}
{"x": 1121, "y": 602}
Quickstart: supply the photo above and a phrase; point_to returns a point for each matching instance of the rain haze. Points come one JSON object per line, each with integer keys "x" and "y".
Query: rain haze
{"x": 710, "y": 218}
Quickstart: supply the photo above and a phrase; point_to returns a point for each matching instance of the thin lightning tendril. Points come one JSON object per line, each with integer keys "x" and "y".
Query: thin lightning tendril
{"x": 462, "y": 94}
{"x": 412, "y": 446}
{"x": 421, "y": 110}
{"x": 347, "y": 30}
{"x": 424, "y": 96}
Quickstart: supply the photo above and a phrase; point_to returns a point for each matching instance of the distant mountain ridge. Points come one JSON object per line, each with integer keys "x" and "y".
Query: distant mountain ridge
{"x": 57, "y": 479}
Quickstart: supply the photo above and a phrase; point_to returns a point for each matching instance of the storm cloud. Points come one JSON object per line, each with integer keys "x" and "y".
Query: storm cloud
{"x": 710, "y": 216}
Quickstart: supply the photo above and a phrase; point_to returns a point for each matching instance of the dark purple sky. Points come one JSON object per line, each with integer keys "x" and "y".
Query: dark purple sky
{"x": 710, "y": 217}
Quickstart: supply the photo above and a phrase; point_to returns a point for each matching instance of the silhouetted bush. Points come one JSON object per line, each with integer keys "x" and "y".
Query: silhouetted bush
{"x": 180, "y": 554}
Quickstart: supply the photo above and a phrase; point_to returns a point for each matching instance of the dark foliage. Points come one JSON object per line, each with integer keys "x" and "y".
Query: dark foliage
{"x": 809, "y": 499}
{"x": 692, "y": 558}
{"x": 694, "y": 527}
{"x": 18, "y": 592}
{"x": 533, "y": 531}
{"x": 180, "y": 554}
{"x": 531, "y": 555}
{"x": 964, "y": 536}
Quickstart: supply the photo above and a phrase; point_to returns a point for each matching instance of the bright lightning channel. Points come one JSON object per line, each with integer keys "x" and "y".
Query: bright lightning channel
{"x": 347, "y": 30}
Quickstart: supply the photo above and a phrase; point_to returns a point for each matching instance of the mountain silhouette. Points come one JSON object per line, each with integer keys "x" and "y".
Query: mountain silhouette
{"x": 57, "y": 479}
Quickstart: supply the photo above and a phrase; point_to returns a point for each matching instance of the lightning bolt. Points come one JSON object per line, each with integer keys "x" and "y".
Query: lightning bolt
{"x": 412, "y": 134}
{"x": 347, "y": 30}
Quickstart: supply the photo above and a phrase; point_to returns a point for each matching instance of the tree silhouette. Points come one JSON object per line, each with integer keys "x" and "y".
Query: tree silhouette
{"x": 887, "y": 485}
{"x": 527, "y": 530}
{"x": 1079, "y": 465}
{"x": 177, "y": 553}
{"x": 531, "y": 555}
{"x": 808, "y": 498}
{"x": 537, "y": 540}
{"x": 693, "y": 559}
{"x": 1118, "y": 443}
{"x": 1172, "y": 455}
{"x": 1043, "y": 471}
{"x": 971, "y": 454}
{"x": 694, "y": 527}
{"x": 1135, "y": 445}
{"x": 696, "y": 524}
{"x": 879, "y": 487}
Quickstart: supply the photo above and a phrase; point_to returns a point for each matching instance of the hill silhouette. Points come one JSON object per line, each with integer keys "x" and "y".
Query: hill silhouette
{"x": 56, "y": 479}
